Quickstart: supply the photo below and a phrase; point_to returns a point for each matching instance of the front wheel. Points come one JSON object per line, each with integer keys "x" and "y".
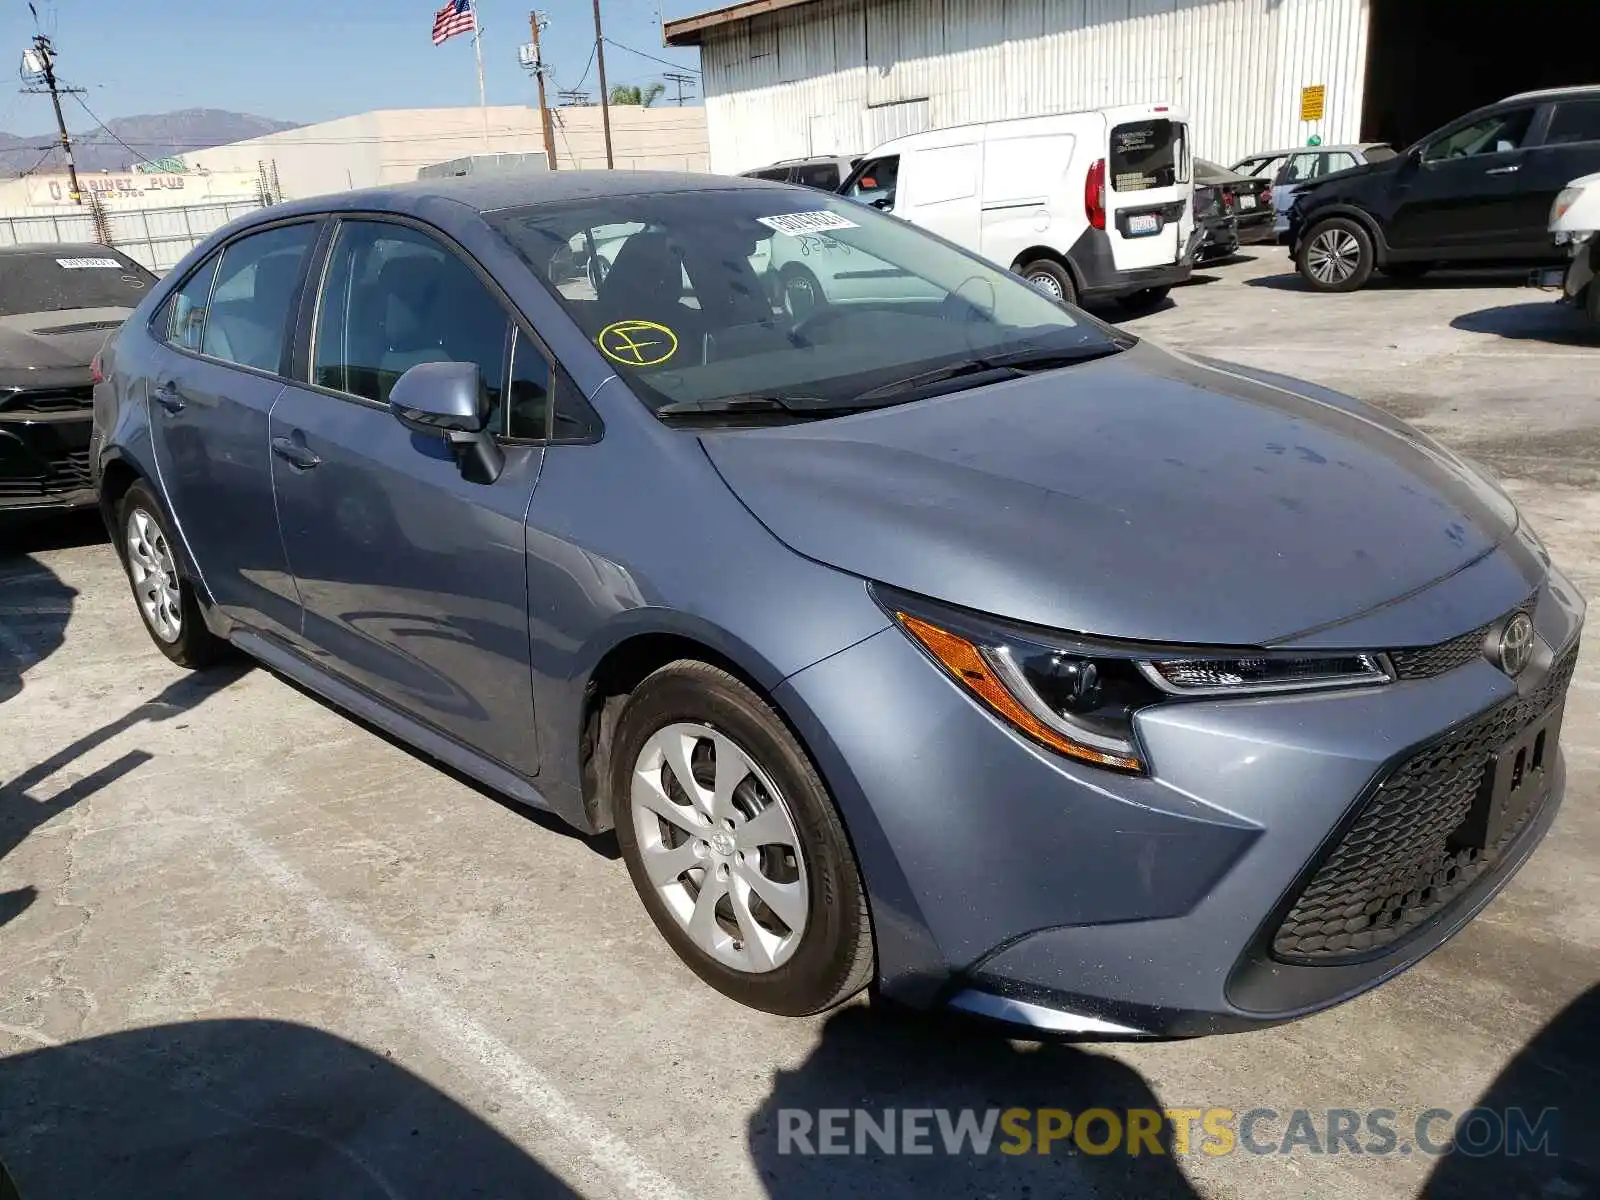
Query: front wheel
{"x": 1336, "y": 256}
{"x": 734, "y": 845}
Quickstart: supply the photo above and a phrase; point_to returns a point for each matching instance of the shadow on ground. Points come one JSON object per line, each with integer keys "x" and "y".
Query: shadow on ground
{"x": 250, "y": 1110}
{"x": 1448, "y": 280}
{"x": 1541, "y": 321}
{"x": 35, "y": 607}
{"x": 51, "y": 787}
{"x": 1559, "y": 1072}
{"x": 880, "y": 1059}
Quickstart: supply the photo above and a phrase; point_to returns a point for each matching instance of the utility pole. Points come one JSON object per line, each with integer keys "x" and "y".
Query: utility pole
{"x": 679, "y": 78}
{"x": 605, "y": 96}
{"x": 544, "y": 108}
{"x": 45, "y": 53}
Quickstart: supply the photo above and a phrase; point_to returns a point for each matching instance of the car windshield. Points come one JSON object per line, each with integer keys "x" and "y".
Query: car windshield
{"x": 706, "y": 298}
{"x": 69, "y": 277}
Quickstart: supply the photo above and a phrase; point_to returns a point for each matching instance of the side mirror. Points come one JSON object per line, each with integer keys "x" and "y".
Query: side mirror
{"x": 445, "y": 399}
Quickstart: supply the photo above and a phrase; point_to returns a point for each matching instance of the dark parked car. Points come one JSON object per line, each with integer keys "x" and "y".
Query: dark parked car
{"x": 1249, "y": 198}
{"x": 1213, "y": 217}
{"x": 1476, "y": 193}
{"x": 57, "y": 304}
{"x": 824, "y": 174}
{"x": 956, "y": 641}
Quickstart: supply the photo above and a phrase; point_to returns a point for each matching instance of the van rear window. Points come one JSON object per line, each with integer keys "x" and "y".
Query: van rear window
{"x": 1147, "y": 154}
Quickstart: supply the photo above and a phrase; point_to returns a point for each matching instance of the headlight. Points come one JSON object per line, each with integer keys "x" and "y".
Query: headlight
{"x": 1078, "y": 696}
{"x": 1565, "y": 199}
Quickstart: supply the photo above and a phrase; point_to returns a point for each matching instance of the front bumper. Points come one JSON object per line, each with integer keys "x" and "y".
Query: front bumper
{"x": 1011, "y": 883}
{"x": 44, "y": 462}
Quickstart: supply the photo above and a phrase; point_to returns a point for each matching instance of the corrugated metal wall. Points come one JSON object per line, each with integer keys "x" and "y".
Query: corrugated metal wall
{"x": 802, "y": 81}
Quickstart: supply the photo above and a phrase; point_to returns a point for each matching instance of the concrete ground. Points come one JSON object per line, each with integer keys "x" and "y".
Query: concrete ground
{"x": 251, "y": 948}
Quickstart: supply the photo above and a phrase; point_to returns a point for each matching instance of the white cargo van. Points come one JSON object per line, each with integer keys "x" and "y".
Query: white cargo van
{"x": 1093, "y": 205}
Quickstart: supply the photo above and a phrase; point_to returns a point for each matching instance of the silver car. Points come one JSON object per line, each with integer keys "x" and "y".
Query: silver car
{"x": 956, "y": 643}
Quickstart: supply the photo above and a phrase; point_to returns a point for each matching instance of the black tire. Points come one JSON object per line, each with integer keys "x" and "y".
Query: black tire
{"x": 1405, "y": 270}
{"x": 833, "y": 958}
{"x": 190, "y": 644}
{"x": 1145, "y": 300}
{"x": 1592, "y": 305}
{"x": 1336, "y": 255}
{"x": 800, "y": 293}
{"x": 1051, "y": 278}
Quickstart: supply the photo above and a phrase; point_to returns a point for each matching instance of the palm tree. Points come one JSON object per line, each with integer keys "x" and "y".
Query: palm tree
{"x": 632, "y": 93}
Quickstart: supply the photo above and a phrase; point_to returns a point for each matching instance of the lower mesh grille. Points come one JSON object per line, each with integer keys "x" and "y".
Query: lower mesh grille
{"x": 1396, "y": 867}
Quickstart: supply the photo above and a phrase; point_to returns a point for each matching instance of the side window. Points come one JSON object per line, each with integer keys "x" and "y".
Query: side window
{"x": 1339, "y": 160}
{"x": 875, "y": 183}
{"x": 188, "y": 308}
{"x": 1574, "y": 121}
{"x": 392, "y": 298}
{"x": 528, "y": 405}
{"x": 774, "y": 174}
{"x": 818, "y": 175}
{"x": 1499, "y": 134}
{"x": 1302, "y": 167}
{"x": 252, "y": 303}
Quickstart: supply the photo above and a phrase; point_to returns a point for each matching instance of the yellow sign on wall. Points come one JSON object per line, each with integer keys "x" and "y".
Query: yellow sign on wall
{"x": 1312, "y": 101}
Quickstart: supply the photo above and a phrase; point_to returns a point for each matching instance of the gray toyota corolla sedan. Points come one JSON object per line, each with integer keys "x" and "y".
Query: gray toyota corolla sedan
{"x": 943, "y": 638}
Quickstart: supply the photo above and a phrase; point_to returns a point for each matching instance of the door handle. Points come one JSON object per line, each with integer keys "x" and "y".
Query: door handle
{"x": 1511, "y": 170}
{"x": 169, "y": 397}
{"x": 296, "y": 454}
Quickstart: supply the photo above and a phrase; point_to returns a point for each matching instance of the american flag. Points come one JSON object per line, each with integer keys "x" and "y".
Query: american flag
{"x": 455, "y": 17}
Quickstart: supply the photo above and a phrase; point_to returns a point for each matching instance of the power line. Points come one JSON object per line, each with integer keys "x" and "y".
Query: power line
{"x": 664, "y": 62}
{"x": 587, "y": 68}
{"x": 84, "y": 105}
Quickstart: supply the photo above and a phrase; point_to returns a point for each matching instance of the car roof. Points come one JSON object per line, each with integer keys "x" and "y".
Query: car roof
{"x": 1347, "y": 147}
{"x": 61, "y": 248}
{"x": 1587, "y": 89}
{"x": 491, "y": 193}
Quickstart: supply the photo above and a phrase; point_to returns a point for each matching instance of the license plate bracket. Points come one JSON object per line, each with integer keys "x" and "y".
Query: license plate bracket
{"x": 1514, "y": 779}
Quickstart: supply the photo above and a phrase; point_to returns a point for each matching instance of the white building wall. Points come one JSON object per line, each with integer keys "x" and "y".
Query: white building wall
{"x": 818, "y": 79}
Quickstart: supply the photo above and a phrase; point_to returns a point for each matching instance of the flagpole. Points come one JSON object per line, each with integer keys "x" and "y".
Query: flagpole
{"x": 483, "y": 101}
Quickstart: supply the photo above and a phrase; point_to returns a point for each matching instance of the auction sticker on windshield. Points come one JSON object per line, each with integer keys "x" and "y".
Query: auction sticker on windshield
{"x": 86, "y": 264}
{"x": 801, "y": 223}
{"x": 637, "y": 343}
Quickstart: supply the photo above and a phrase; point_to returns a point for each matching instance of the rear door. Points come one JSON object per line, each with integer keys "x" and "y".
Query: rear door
{"x": 221, "y": 365}
{"x": 1568, "y": 149}
{"x": 1149, "y": 201}
{"x": 1461, "y": 199}
{"x": 413, "y": 578}
{"x": 1022, "y": 175}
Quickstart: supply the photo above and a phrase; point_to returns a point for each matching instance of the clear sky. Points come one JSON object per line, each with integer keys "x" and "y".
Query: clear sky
{"x": 306, "y": 61}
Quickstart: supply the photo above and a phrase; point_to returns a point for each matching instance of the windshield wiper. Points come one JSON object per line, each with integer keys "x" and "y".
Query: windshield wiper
{"x": 1001, "y": 367}
{"x": 755, "y": 403}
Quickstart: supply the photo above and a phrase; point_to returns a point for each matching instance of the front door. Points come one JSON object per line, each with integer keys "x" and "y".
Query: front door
{"x": 1461, "y": 199}
{"x": 219, "y": 369}
{"x": 413, "y": 579}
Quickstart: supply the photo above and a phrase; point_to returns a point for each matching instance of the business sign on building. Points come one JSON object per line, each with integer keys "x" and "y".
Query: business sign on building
{"x": 136, "y": 190}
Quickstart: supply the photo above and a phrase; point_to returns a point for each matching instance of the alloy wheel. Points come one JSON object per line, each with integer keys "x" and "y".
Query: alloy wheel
{"x": 154, "y": 575}
{"x": 1333, "y": 256}
{"x": 720, "y": 847}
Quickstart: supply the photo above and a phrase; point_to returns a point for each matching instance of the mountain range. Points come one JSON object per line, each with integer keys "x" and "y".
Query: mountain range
{"x": 119, "y": 143}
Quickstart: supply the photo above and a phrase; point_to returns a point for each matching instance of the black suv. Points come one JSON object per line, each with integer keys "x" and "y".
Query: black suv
{"x": 1476, "y": 193}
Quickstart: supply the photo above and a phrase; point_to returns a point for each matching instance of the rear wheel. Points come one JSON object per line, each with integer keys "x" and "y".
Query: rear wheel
{"x": 1051, "y": 278}
{"x": 1145, "y": 300}
{"x": 1336, "y": 256}
{"x": 734, "y": 845}
{"x": 165, "y": 599}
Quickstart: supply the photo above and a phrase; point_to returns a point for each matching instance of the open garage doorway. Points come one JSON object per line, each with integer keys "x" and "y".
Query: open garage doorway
{"x": 1429, "y": 61}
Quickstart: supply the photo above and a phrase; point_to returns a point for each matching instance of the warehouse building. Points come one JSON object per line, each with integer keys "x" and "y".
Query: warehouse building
{"x": 791, "y": 78}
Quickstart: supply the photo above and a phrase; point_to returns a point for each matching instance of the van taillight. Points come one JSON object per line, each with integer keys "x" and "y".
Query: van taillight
{"x": 1094, "y": 194}
{"x": 96, "y": 375}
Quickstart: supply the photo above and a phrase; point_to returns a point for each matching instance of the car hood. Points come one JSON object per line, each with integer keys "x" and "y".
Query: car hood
{"x": 65, "y": 338}
{"x": 1148, "y": 496}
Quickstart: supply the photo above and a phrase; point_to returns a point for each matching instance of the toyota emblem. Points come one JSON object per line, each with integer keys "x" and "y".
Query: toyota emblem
{"x": 1516, "y": 644}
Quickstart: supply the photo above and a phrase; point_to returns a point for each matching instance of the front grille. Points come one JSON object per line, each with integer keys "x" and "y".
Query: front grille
{"x": 47, "y": 400}
{"x": 1424, "y": 662}
{"x": 1396, "y": 867}
{"x": 68, "y": 473}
